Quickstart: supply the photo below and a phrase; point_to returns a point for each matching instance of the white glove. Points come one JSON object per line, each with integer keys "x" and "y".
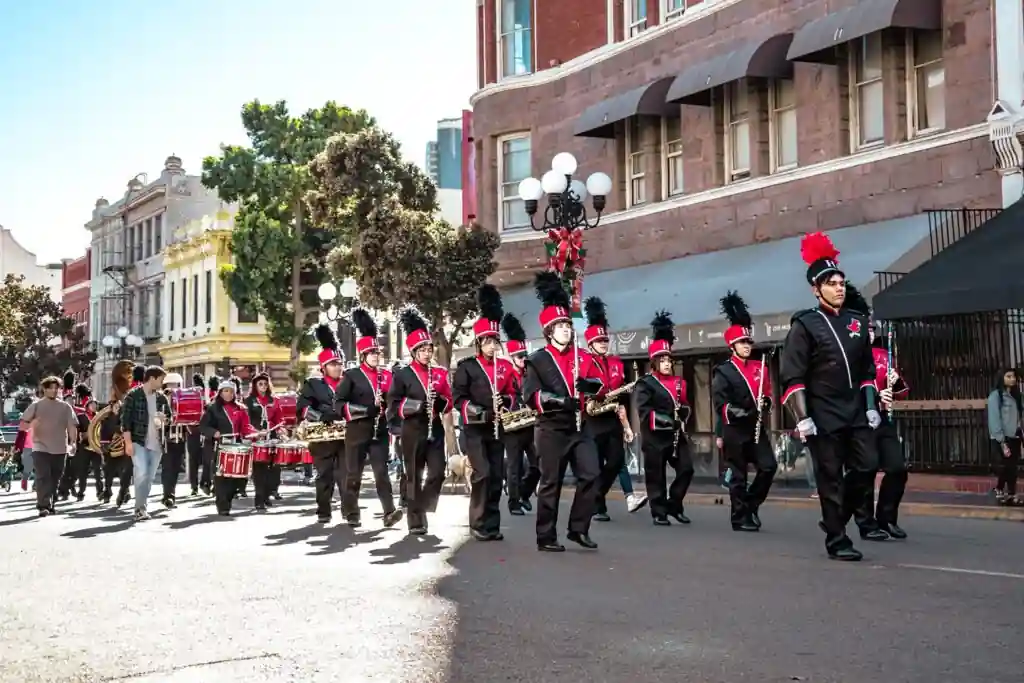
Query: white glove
{"x": 886, "y": 396}
{"x": 806, "y": 427}
{"x": 874, "y": 419}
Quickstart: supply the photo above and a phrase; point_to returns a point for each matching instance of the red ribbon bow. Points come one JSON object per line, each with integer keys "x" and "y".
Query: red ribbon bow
{"x": 568, "y": 244}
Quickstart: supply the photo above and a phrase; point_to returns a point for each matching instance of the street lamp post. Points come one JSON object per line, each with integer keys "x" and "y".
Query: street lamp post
{"x": 331, "y": 296}
{"x": 123, "y": 345}
{"x": 565, "y": 217}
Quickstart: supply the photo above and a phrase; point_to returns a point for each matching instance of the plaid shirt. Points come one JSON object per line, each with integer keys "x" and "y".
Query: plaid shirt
{"x": 135, "y": 413}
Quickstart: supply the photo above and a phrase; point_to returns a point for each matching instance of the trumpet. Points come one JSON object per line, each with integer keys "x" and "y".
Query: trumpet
{"x": 610, "y": 401}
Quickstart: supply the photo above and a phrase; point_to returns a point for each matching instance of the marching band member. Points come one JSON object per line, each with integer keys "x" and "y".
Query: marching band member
{"x": 361, "y": 395}
{"x": 68, "y": 391}
{"x": 116, "y": 467}
{"x": 264, "y": 415}
{"x": 828, "y": 381}
{"x": 610, "y": 431}
{"x": 519, "y": 442}
{"x": 420, "y": 397}
{"x": 194, "y": 445}
{"x": 741, "y": 392}
{"x": 891, "y": 459}
{"x": 89, "y": 460}
{"x": 555, "y": 386}
{"x": 174, "y": 449}
{"x": 316, "y": 403}
{"x": 76, "y": 465}
{"x": 662, "y": 409}
{"x": 224, "y": 418}
{"x": 478, "y": 390}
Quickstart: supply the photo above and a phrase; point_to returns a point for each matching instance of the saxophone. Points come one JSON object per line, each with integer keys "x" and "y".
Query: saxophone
{"x": 610, "y": 402}
{"x": 319, "y": 432}
{"x": 512, "y": 420}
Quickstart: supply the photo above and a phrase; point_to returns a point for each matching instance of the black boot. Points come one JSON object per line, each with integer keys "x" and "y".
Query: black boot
{"x": 582, "y": 540}
{"x": 893, "y": 530}
{"x": 746, "y": 524}
{"x": 845, "y": 554}
{"x": 551, "y": 547}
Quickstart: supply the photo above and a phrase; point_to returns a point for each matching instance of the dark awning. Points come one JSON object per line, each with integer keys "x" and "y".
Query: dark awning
{"x": 814, "y": 41}
{"x": 598, "y": 121}
{"x": 769, "y": 276}
{"x": 979, "y": 272}
{"x": 764, "y": 58}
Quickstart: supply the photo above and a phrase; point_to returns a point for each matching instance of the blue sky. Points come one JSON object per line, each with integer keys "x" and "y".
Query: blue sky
{"x": 94, "y": 91}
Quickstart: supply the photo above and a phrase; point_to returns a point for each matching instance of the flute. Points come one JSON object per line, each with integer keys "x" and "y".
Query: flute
{"x": 575, "y": 378}
{"x": 760, "y": 397}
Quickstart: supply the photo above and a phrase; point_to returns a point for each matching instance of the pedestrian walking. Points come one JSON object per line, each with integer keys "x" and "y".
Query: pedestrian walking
{"x": 54, "y": 433}
{"x": 1004, "y": 428}
{"x": 144, "y": 413}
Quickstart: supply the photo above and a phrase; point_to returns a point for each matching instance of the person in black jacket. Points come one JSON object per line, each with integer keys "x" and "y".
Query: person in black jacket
{"x": 361, "y": 396}
{"x": 225, "y": 420}
{"x": 317, "y": 403}
{"x": 828, "y": 383}
{"x": 174, "y": 449}
{"x": 741, "y": 392}
{"x": 662, "y": 409}
{"x": 519, "y": 449}
{"x": 194, "y": 441}
{"x": 89, "y": 461}
{"x": 265, "y": 415}
{"x": 556, "y": 387}
{"x": 479, "y": 389}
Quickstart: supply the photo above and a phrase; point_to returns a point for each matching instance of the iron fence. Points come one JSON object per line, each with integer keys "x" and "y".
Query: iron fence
{"x": 946, "y": 226}
{"x": 946, "y": 441}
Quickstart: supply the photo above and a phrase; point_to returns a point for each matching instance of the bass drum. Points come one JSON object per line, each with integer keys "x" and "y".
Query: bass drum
{"x": 287, "y": 401}
{"x": 187, "y": 407}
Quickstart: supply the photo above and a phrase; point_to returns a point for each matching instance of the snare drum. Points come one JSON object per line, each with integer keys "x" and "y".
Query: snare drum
{"x": 288, "y": 453}
{"x": 234, "y": 460}
{"x": 286, "y": 401}
{"x": 263, "y": 451}
{"x": 186, "y": 407}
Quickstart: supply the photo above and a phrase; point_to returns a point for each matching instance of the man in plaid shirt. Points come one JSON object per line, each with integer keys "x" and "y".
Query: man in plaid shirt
{"x": 144, "y": 413}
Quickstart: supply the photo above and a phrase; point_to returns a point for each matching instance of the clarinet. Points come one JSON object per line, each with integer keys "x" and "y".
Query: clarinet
{"x": 677, "y": 401}
{"x": 377, "y": 397}
{"x": 575, "y": 377}
{"x": 760, "y": 397}
{"x": 430, "y": 402}
{"x": 495, "y": 399}
{"x": 888, "y": 366}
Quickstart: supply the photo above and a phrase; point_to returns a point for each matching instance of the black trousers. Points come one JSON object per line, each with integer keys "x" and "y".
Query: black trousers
{"x": 852, "y": 450}
{"x": 356, "y": 455}
{"x": 329, "y": 461}
{"x": 49, "y": 469}
{"x": 656, "y": 448}
{"x": 487, "y": 457}
{"x": 740, "y": 455}
{"x": 421, "y": 455}
{"x": 275, "y": 479}
{"x": 90, "y": 462}
{"x": 520, "y": 451}
{"x": 199, "y": 456}
{"x": 120, "y": 469}
{"x": 225, "y": 490}
{"x": 174, "y": 453}
{"x": 893, "y": 464}
{"x": 263, "y": 482}
{"x": 611, "y": 456}
{"x": 556, "y": 449}
{"x": 1007, "y": 468}
{"x": 69, "y": 474}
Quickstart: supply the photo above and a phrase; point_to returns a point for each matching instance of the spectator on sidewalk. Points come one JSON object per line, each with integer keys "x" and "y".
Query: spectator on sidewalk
{"x": 1004, "y": 428}
{"x": 54, "y": 429}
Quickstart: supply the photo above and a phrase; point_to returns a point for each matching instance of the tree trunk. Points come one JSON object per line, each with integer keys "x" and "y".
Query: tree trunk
{"x": 298, "y": 311}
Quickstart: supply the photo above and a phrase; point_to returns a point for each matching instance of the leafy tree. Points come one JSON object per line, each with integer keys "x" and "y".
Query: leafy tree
{"x": 278, "y": 250}
{"x": 36, "y": 338}
{"x": 394, "y": 245}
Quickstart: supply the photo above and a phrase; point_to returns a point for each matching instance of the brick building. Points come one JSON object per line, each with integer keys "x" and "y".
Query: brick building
{"x": 730, "y": 128}
{"x": 75, "y": 281}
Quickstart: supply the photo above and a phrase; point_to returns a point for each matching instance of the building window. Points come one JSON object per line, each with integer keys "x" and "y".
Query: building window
{"x": 636, "y": 192}
{"x": 737, "y": 133}
{"x": 149, "y": 237}
{"x": 158, "y": 306}
{"x": 158, "y": 232}
{"x": 184, "y": 303}
{"x": 246, "y": 316}
{"x": 867, "y": 109}
{"x": 783, "y": 125}
{"x": 515, "y": 39}
{"x": 209, "y": 297}
{"x": 636, "y": 17}
{"x": 514, "y": 166}
{"x": 138, "y": 242}
{"x": 170, "y": 308}
{"x": 195, "y": 300}
{"x": 928, "y": 84}
{"x": 672, "y": 155}
{"x": 672, "y": 9}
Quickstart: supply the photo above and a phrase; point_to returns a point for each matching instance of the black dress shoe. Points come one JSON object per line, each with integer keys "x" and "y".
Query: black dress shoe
{"x": 679, "y": 517}
{"x": 277, "y": 496}
{"x": 497, "y": 536}
{"x": 481, "y": 535}
{"x": 755, "y": 519}
{"x": 261, "y": 508}
{"x": 551, "y": 547}
{"x": 602, "y": 517}
{"x": 894, "y": 531}
{"x": 874, "y": 535}
{"x": 80, "y": 497}
{"x": 517, "y": 512}
{"x": 525, "y": 504}
{"x": 850, "y": 554}
{"x": 662, "y": 521}
{"x": 581, "y": 540}
{"x": 418, "y": 531}
{"x": 392, "y": 518}
{"x": 323, "y": 519}
{"x": 745, "y": 525}
{"x": 353, "y": 521}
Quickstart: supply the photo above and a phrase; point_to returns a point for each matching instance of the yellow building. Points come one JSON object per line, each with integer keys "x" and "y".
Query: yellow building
{"x": 203, "y": 331}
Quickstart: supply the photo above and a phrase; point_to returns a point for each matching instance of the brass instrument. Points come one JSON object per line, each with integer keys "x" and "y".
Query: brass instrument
{"x": 610, "y": 401}
{"x": 319, "y": 432}
{"x": 511, "y": 420}
{"x": 121, "y": 377}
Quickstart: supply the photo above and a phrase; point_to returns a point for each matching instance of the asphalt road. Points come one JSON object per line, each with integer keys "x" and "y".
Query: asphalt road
{"x": 269, "y": 598}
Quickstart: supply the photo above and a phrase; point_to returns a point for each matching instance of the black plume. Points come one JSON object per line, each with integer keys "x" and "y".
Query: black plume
{"x": 549, "y": 288}
{"x": 488, "y": 301}
{"x": 325, "y": 337}
{"x": 663, "y": 328}
{"x": 213, "y": 382}
{"x": 69, "y": 380}
{"x": 513, "y": 328}
{"x": 735, "y": 310}
{"x": 83, "y": 391}
{"x": 855, "y": 301}
{"x": 595, "y": 311}
{"x": 411, "y": 319}
{"x": 197, "y": 380}
{"x": 138, "y": 373}
{"x": 364, "y": 322}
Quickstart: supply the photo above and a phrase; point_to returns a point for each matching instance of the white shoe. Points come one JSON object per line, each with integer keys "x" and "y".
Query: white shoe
{"x": 634, "y": 502}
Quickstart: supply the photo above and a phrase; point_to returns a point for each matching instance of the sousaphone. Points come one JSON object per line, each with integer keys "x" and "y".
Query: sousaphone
{"x": 121, "y": 382}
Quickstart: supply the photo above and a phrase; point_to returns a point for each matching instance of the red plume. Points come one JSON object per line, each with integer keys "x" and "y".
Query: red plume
{"x": 815, "y": 246}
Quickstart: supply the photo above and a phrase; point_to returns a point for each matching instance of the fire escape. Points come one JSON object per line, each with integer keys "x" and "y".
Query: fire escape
{"x": 118, "y": 259}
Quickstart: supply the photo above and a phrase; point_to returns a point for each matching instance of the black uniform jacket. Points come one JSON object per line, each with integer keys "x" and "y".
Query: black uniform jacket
{"x": 356, "y": 399}
{"x": 260, "y": 418}
{"x": 407, "y": 400}
{"x": 827, "y": 356}
{"x": 549, "y": 388}
{"x": 660, "y": 404}
{"x": 317, "y": 397}
{"x": 475, "y": 385}
{"x": 734, "y": 389}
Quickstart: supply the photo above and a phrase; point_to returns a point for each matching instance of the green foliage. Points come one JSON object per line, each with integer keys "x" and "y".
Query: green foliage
{"x": 396, "y": 248}
{"x": 274, "y": 243}
{"x": 29, "y": 321}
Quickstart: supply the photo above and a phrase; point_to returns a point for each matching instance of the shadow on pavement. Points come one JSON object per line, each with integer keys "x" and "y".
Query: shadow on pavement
{"x": 19, "y": 520}
{"x": 407, "y": 549}
{"x": 92, "y": 532}
{"x": 324, "y": 539}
